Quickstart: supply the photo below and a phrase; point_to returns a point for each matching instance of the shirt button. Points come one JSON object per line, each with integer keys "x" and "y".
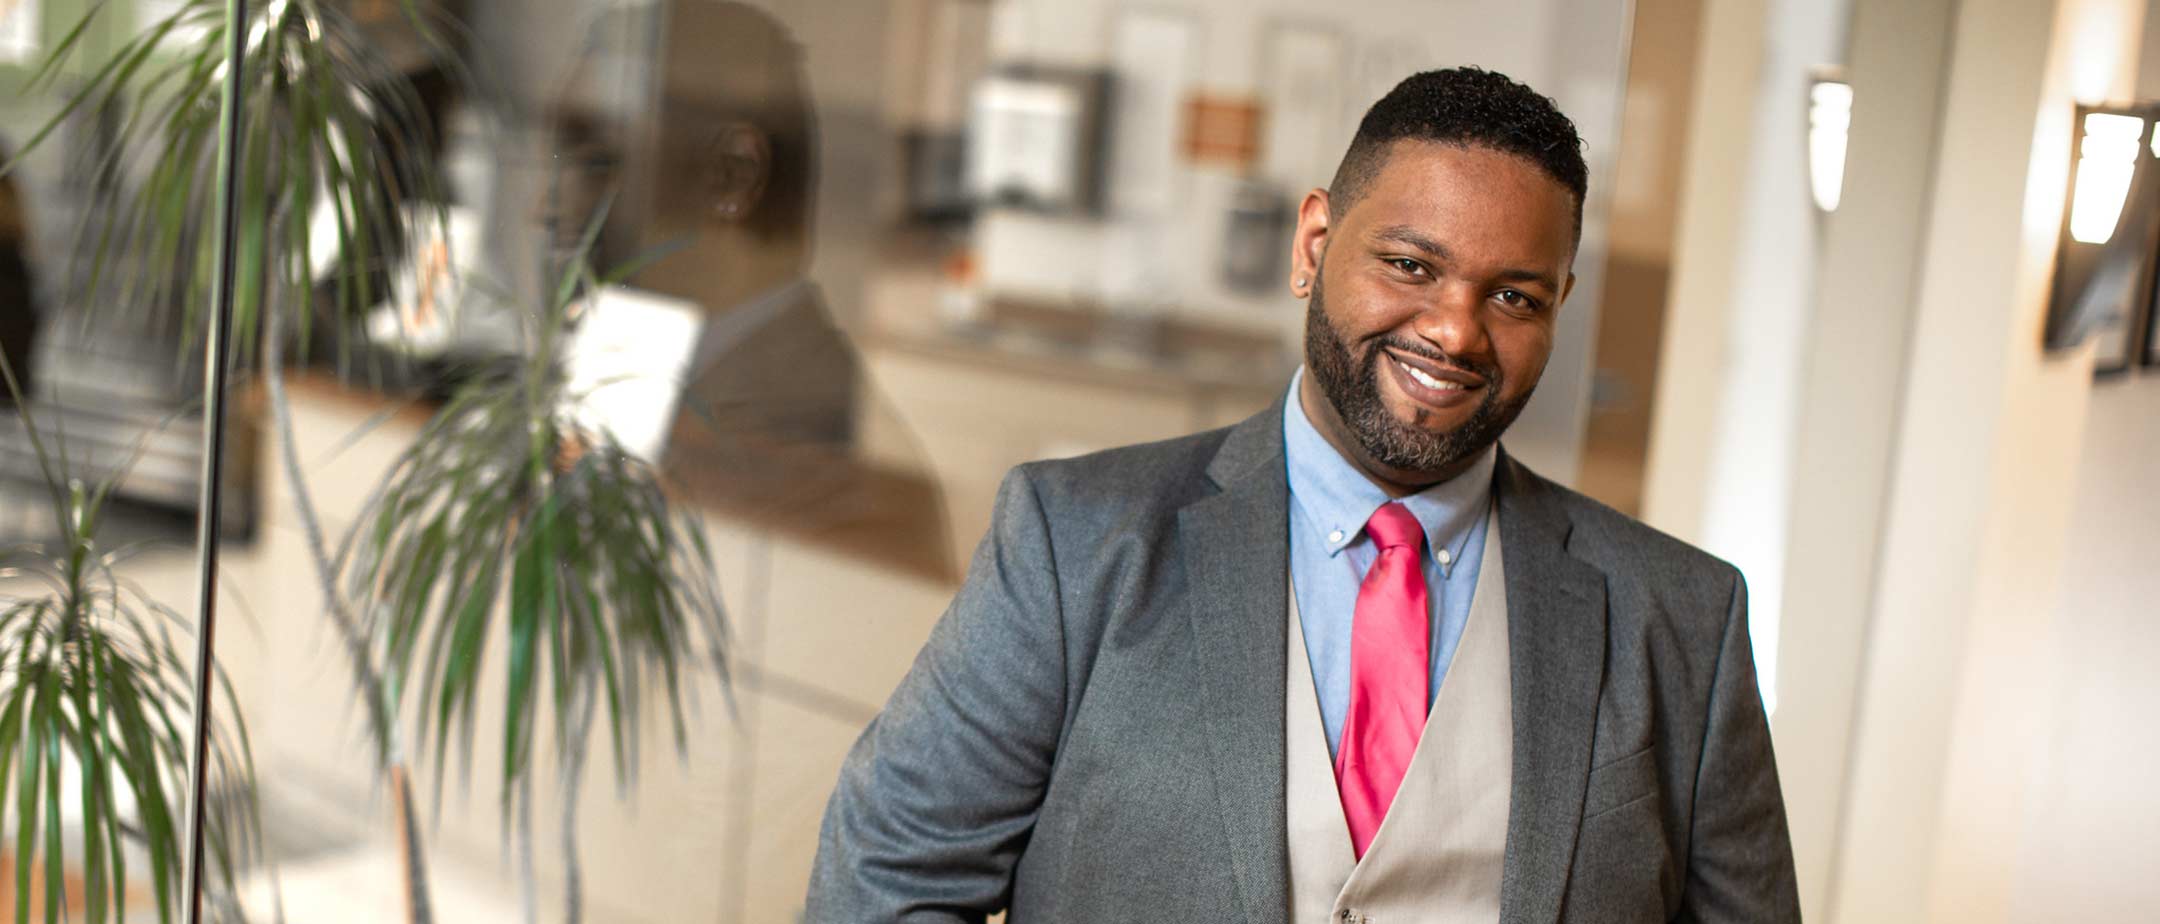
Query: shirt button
{"x": 1335, "y": 536}
{"x": 1446, "y": 557}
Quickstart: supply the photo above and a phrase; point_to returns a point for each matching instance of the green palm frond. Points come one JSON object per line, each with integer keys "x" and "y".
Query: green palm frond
{"x": 95, "y": 699}
{"x": 334, "y": 140}
{"x": 505, "y": 507}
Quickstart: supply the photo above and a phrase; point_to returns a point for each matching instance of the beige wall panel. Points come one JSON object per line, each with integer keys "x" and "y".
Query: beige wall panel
{"x": 845, "y": 627}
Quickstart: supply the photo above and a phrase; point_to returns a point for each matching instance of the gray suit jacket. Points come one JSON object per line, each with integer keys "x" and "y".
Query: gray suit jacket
{"x": 1094, "y": 731}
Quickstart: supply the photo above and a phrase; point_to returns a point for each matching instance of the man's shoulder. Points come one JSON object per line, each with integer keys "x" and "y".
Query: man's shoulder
{"x": 1628, "y": 549}
{"x": 1163, "y": 474}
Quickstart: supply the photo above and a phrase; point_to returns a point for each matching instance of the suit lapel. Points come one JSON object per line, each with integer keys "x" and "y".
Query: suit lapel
{"x": 1556, "y": 654}
{"x": 1235, "y": 551}
{"x": 1236, "y": 554}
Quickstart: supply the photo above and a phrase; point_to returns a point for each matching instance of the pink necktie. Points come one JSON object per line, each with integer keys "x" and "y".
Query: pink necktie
{"x": 1390, "y": 670}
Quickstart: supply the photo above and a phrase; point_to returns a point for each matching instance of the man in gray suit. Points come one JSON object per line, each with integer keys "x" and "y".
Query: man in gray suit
{"x": 1347, "y": 660}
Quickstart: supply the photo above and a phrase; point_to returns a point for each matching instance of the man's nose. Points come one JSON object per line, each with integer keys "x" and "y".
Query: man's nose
{"x": 1454, "y": 321}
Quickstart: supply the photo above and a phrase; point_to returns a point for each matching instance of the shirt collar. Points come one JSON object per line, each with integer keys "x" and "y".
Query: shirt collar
{"x": 1337, "y": 499}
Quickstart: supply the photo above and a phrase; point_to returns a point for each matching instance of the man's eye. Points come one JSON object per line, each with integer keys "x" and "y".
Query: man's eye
{"x": 1407, "y": 265}
{"x": 1514, "y": 299}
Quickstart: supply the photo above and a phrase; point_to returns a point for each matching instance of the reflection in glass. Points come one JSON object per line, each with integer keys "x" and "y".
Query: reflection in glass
{"x": 569, "y": 325}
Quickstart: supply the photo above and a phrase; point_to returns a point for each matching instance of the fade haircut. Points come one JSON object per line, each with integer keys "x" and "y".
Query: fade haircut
{"x": 1465, "y": 107}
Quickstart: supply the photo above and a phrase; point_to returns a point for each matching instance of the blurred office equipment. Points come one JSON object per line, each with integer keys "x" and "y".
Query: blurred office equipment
{"x": 1256, "y": 238}
{"x": 113, "y": 394}
{"x": 1036, "y": 138}
{"x": 18, "y": 290}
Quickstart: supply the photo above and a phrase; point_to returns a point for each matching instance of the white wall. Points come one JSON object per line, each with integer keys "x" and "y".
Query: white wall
{"x": 1728, "y": 404}
{"x": 1750, "y": 469}
{"x": 2092, "y": 822}
{"x": 1164, "y": 256}
{"x": 1752, "y": 338}
{"x": 1938, "y": 449}
{"x": 1700, "y": 303}
{"x": 1889, "y": 421}
{"x": 2092, "y": 819}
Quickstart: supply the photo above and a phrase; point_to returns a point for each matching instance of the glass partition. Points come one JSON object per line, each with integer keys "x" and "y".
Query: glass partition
{"x": 620, "y": 389}
{"x": 111, "y": 234}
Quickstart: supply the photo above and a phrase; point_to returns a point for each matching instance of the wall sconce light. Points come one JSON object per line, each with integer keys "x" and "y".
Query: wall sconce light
{"x": 1829, "y": 119}
{"x": 2109, "y": 242}
{"x": 2107, "y": 157}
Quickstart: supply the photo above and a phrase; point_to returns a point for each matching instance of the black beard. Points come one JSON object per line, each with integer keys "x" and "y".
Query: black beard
{"x": 1352, "y": 385}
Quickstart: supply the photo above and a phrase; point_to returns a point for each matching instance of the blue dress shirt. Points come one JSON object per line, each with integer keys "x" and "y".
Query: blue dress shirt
{"x": 1330, "y": 500}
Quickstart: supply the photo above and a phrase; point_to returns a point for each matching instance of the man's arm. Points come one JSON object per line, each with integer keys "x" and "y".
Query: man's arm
{"x": 937, "y": 798}
{"x": 1740, "y": 865}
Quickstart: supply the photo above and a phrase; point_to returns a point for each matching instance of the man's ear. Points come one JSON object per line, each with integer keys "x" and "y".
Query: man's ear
{"x": 734, "y": 165}
{"x": 1308, "y": 243}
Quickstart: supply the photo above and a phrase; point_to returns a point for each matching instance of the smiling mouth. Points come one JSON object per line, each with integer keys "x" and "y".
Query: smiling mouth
{"x": 1448, "y": 381}
{"x": 1429, "y": 381}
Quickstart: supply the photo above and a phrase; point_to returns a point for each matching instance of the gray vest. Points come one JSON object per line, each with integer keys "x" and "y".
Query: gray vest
{"x": 1436, "y": 858}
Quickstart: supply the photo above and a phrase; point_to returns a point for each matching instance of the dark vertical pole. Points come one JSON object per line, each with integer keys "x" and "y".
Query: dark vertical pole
{"x": 210, "y": 493}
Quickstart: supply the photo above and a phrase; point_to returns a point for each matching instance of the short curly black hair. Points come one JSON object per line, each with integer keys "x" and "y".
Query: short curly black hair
{"x": 1464, "y": 106}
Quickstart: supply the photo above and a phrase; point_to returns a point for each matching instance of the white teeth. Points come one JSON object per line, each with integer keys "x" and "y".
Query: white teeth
{"x": 1426, "y": 380}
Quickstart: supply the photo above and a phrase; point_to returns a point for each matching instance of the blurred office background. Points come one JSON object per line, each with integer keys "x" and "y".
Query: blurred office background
{"x": 1832, "y": 323}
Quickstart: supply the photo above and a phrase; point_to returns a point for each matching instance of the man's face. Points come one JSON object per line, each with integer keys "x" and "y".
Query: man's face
{"x": 1432, "y": 304}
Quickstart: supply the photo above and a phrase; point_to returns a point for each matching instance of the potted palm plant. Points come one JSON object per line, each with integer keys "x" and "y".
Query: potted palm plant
{"x": 510, "y": 509}
{"x": 505, "y": 512}
{"x": 325, "y": 122}
{"x": 95, "y": 698}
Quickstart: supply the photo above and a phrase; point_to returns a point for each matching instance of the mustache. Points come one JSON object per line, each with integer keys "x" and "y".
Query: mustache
{"x": 1487, "y": 371}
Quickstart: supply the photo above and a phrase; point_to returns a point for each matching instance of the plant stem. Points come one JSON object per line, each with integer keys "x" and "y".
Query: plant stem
{"x": 418, "y": 910}
{"x": 528, "y": 890}
{"x": 573, "y": 778}
{"x": 414, "y": 872}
